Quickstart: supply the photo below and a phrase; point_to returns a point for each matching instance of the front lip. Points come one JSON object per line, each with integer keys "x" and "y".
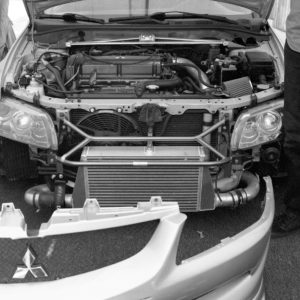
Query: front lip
{"x": 153, "y": 273}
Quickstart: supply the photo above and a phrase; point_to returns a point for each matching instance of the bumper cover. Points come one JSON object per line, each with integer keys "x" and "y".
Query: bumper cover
{"x": 231, "y": 270}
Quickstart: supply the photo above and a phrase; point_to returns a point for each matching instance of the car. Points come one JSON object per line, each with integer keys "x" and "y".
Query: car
{"x": 136, "y": 117}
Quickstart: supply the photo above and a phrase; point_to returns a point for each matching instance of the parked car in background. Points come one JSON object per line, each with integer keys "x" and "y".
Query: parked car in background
{"x": 133, "y": 113}
{"x": 7, "y": 36}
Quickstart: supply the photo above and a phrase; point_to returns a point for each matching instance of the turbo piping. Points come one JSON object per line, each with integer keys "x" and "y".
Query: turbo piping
{"x": 239, "y": 196}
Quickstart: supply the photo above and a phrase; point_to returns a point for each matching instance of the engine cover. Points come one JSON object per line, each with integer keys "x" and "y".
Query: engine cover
{"x": 109, "y": 70}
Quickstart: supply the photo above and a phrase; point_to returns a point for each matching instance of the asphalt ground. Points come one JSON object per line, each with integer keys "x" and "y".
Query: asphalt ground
{"x": 282, "y": 272}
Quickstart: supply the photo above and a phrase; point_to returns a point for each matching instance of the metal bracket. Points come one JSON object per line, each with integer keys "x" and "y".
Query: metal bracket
{"x": 11, "y": 217}
{"x": 91, "y": 208}
{"x": 88, "y": 139}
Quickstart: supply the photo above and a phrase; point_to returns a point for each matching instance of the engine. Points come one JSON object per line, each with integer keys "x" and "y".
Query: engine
{"x": 145, "y": 71}
{"x": 101, "y": 71}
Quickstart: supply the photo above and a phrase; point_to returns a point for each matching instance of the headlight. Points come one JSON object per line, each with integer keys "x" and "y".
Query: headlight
{"x": 257, "y": 126}
{"x": 22, "y": 121}
{"x": 270, "y": 122}
{"x": 27, "y": 124}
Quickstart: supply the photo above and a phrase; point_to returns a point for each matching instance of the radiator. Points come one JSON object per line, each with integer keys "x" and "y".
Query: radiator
{"x": 188, "y": 124}
{"x": 116, "y": 186}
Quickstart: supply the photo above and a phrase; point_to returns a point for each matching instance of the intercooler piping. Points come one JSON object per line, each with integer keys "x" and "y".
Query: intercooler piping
{"x": 227, "y": 184}
{"x": 194, "y": 71}
{"x": 239, "y": 196}
{"x": 41, "y": 197}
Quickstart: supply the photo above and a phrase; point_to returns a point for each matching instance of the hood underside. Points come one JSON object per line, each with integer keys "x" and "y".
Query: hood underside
{"x": 261, "y": 7}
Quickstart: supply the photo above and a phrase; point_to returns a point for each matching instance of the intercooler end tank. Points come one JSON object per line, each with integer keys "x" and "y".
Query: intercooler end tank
{"x": 238, "y": 87}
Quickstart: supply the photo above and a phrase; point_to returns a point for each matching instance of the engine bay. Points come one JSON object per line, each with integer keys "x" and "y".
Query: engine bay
{"x": 103, "y": 71}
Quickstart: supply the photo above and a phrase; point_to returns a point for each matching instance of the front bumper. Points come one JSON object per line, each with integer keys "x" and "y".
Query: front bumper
{"x": 231, "y": 270}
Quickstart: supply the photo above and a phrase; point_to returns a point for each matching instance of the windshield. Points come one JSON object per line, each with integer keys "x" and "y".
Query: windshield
{"x": 106, "y": 9}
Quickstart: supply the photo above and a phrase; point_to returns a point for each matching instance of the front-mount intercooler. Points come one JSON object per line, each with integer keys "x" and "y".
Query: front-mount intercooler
{"x": 124, "y": 185}
{"x": 120, "y": 176}
{"x": 124, "y": 175}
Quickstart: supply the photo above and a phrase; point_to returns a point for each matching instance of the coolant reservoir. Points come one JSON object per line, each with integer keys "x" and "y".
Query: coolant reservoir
{"x": 35, "y": 88}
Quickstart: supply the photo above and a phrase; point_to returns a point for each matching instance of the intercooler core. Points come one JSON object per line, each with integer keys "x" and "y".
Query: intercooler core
{"x": 139, "y": 176}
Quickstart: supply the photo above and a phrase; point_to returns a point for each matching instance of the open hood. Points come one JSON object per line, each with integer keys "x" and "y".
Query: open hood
{"x": 261, "y": 7}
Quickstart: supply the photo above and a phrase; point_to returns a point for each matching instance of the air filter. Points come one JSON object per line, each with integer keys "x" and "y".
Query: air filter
{"x": 238, "y": 87}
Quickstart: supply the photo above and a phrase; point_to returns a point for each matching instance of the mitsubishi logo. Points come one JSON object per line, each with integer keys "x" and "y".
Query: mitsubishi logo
{"x": 37, "y": 271}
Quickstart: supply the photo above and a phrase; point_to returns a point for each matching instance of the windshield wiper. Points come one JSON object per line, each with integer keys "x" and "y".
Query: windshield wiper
{"x": 162, "y": 16}
{"x": 72, "y": 18}
{"x": 138, "y": 19}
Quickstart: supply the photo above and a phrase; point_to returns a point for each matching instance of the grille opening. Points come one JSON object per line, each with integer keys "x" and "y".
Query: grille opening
{"x": 92, "y": 250}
